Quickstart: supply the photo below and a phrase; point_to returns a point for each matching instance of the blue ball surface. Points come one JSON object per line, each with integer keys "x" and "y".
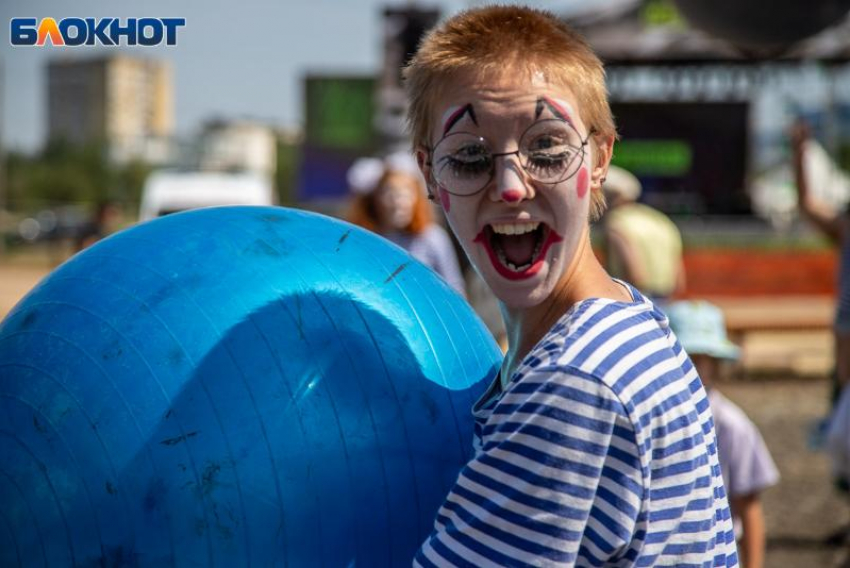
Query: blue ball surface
{"x": 237, "y": 386}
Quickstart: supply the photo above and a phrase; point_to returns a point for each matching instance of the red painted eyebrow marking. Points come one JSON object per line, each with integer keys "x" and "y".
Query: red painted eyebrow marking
{"x": 554, "y": 107}
{"x": 457, "y": 115}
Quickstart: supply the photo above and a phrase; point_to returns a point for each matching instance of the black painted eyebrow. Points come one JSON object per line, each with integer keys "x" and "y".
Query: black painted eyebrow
{"x": 467, "y": 109}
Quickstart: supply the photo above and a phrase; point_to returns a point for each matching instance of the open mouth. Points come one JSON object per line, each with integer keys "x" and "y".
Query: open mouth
{"x": 517, "y": 250}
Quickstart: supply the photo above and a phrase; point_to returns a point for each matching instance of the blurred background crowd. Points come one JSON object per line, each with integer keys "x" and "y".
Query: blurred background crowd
{"x": 734, "y": 153}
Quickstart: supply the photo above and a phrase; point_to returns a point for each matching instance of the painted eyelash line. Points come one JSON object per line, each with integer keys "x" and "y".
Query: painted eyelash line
{"x": 458, "y": 114}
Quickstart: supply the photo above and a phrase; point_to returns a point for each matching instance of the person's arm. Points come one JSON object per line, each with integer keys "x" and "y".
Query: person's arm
{"x": 822, "y": 217}
{"x": 558, "y": 479}
{"x": 751, "y": 546}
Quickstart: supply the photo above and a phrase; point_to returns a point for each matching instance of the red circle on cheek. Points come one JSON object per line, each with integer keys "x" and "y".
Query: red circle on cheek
{"x": 445, "y": 200}
{"x": 581, "y": 183}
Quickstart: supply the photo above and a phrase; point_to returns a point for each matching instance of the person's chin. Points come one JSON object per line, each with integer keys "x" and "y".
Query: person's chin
{"x": 519, "y": 293}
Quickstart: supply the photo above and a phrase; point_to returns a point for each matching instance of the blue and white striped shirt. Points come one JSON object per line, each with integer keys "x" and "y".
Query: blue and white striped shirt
{"x": 600, "y": 452}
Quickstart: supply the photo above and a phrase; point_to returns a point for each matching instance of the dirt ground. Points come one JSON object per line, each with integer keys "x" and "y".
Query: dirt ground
{"x": 15, "y": 281}
{"x": 803, "y": 510}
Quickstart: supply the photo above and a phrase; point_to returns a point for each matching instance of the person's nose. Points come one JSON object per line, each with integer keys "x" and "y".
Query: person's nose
{"x": 510, "y": 183}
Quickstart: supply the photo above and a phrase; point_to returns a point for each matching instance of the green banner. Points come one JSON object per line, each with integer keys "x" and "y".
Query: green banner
{"x": 654, "y": 157}
{"x": 340, "y": 112}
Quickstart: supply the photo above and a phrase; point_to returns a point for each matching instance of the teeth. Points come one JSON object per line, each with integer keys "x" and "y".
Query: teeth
{"x": 516, "y": 268}
{"x": 519, "y": 228}
{"x": 505, "y": 262}
{"x": 513, "y": 266}
{"x": 514, "y": 228}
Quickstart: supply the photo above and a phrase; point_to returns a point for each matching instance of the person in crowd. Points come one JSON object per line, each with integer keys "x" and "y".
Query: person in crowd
{"x": 642, "y": 245}
{"x": 594, "y": 444}
{"x": 390, "y": 200}
{"x": 748, "y": 469}
{"x": 835, "y": 225}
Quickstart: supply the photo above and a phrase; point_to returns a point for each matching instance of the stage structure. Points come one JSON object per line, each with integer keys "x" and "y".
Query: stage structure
{"x": 703, "y": 120}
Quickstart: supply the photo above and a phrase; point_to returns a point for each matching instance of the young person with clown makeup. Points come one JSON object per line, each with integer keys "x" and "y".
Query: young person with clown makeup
{"x": 595, "y": 444}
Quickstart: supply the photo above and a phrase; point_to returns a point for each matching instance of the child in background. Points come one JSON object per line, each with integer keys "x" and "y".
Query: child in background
{"x": 390, "y": 199}
{"x": 745, "y": 461}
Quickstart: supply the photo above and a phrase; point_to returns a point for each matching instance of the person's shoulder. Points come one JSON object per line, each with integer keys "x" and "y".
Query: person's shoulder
{"x": 433, "y": 236}
{"x": 727, "y": 413}
{"x": 566, "y": 386}
{"x": 649, "y": 212}
{"x": 437, "y": 242}
{"x": 610, "y": 316}
{"x": 617, "y": 214}
{"x": 629, "y": 347}
{"x": 637, "y": 216}
{"x": 435, "y": 232}
{"x": 600, "y": 326}
{"x": 720, "y": 404}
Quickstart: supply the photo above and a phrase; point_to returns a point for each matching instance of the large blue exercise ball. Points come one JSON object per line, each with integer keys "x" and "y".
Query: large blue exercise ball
{"x": 239, "y": 386}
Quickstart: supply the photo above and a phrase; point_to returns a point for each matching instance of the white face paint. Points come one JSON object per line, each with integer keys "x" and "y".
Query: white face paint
{"x": 395, "y": 200}
{"x": 522, "y": 236}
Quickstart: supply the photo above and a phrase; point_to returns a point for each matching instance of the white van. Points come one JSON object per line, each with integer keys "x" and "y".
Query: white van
{"x": 171, "y": 191}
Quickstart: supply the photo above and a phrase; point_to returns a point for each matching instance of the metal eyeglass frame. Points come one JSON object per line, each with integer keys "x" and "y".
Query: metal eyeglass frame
{"x": 516, "y": 152}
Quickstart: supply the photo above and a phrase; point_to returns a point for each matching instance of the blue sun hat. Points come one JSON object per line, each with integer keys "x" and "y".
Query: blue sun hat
{"x": 701, "y": 329}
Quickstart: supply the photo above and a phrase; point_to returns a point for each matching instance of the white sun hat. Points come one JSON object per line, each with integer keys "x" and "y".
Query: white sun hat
{"x": 622, "y": 183}
{"x": 363, "y": 175}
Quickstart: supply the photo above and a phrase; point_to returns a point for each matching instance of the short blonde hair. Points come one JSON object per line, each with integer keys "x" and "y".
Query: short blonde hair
{"x": 498, "y": 39}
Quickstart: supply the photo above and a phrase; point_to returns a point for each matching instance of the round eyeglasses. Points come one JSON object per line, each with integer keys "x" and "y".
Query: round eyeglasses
{"x": 550, "y": 151}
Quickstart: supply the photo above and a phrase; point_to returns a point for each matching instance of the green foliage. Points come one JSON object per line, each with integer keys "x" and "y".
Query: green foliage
{"x": 654, "y": 157}
{"x": 340, "y": 111}
{"x": 65, "y": 173}
{"x": 129, "y": 182}
{"x": 286, "y": 175}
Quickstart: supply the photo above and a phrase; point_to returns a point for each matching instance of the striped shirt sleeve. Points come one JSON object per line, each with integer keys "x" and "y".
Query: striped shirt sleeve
{"x": 558, "y": 479}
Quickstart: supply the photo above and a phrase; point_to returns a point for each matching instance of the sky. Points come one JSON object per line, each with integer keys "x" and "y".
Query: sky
{"x": 236, "y": 59}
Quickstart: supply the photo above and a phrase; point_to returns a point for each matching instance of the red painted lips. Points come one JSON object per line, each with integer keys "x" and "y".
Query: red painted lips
{"x": 484, "y": 239}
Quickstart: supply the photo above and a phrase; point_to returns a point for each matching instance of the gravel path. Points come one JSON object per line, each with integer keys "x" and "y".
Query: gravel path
{"x": 804, "y": 509}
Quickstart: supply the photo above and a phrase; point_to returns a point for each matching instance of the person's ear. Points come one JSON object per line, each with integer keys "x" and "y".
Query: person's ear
{"x": 604, "y": 146}
{"x": 423, "y": 160}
